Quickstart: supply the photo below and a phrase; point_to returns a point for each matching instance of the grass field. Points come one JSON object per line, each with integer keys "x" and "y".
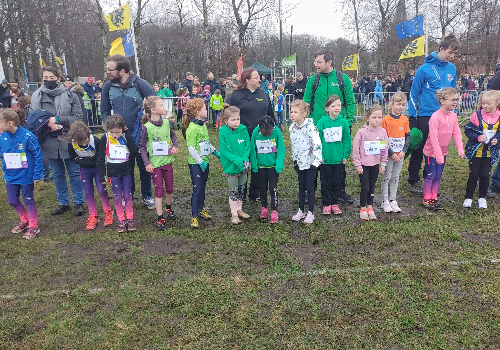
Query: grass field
{"x": 415, "y": 280}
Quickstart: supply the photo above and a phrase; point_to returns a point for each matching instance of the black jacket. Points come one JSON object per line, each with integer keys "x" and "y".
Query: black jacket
{"x": 300, "y": 85}
{"x": 7, "y": 99}
{"x": 187, "y": 84}
{"x": 214, "y": 85}
{"x": 85, "y": 162}
{"x": 494, "y": 81}
{"x": 116, "y": 169}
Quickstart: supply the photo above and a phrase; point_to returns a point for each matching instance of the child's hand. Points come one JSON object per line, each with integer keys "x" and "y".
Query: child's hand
{"x": 494, "y": 142}
{"x": 359, "y": 171}
{"x": 149, "y": 168}
{"x": 344, "y": 161}
{"x": 462, "y": 156}
{"x": 401, "y": 155}
{"x": 381, "y": 169}
{"x": 395, "y": 157}
{"x": 174, "y": 150}
{"x": 37, "y": 181}
{"x": 482, "y": 138}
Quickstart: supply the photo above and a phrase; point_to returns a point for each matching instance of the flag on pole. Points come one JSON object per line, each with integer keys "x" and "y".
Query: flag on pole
{"x": 62, "y": 62}
{"x": 119, "y": 18}
{"x": 123, "y": 46}
{"x": 410, "y": 28}
{"x": 42, "y": 63}
{"x": 239, "y": 64}
{"x": 350, "y": 62}
{"x": 289, "y": 61}
{"x": 414, "y": 49}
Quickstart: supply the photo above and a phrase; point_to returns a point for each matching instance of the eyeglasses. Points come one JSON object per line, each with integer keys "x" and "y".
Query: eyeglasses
{"x": 452, "y": 100}
{"x": 110, "y": 70}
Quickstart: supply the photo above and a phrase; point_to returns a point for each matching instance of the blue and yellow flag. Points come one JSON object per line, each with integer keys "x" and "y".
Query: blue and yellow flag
{"x": 119, "y": 18}
{"x": 414, "y": 49}
{"x": 123, "y": 46}
{"x": 410, "y": 28}
{"x": 62, "y": 62}
{"x": 350, "y": 62}
{"x": 42, "y": 63}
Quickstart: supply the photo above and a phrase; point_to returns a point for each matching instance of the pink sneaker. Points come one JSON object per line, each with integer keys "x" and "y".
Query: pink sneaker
{"x": 274, "y": 217}
{"x": 336, "y": 210}
{"x": 327, "y": 210}
{"x": 263, "y": 213}
{"x": 309, "y": 218}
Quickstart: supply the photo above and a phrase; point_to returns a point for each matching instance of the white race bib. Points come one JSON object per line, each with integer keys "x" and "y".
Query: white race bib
{"x": 374, "y": 148}
{"x": 299, "y": 141}
{"x": 15, "y": 160}
{"x": 489, "y": 135}
{"x": 276, "y": 108}
{"x": 265, "y": 146}
{"x": 161, "y": 148}
{"x": 118, "y": 152}
{"x": 205, "y": 148}
{"x": 216, "y": 102}
{"x": 333, "y": 134}
{"x": 396, "y": 144}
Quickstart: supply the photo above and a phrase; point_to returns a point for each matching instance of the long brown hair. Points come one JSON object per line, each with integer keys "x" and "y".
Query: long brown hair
{"x": 247, "y": 72}
{"x": 193, "y": 107}
{"x": 10, "y": 115}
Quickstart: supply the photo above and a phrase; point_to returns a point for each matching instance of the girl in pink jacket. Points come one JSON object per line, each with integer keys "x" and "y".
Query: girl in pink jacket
{"x": 443, "y": 124}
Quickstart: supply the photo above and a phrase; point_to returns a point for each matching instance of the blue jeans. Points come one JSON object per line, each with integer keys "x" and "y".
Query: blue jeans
{"x": 144, "y": 176}
{"x": 199, "y": 179}
{"x": 59, "y": 174}
{"x": 495, "y": 178}
{"x": 280, "y": 119}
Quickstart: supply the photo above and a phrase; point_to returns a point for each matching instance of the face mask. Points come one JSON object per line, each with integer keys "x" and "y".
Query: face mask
{"x": 50, "y": 84}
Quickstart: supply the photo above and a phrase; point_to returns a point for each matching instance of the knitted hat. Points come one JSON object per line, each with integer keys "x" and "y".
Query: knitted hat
{"x": 207, "y": 87}
{"x": 4, "y": 81}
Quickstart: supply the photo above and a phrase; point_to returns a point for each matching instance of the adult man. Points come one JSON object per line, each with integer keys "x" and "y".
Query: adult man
{"x": 327, "y": 85}
{"x": 300, "y": 86}
{"x": 69, "y": 81}
{"x": 235, "y": 81}
{"x": 4, "y": 87}
{"x": 89, "y": 87}
{"x": 188, "y": 82}
{"x": 214, "y": 84}
{"x": 436, "y": 73}
{"x": 9, "y": 98}
{"x": 407, "y": 83}
{"x": 123, "y": 93}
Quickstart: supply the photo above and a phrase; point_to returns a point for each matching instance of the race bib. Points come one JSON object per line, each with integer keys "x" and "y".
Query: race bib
{"x": 299, "y": 141}
{"x": 489, "y": 135}
{"x": 161, "y": 148}
{"x": 216, "y": 102}
{"x": 15, "y": 160}
{"x": 118, "y": 152}
{"x": 333, "y": 134}
{"x": 396, "y": 144}
{"x": 205, "y": 148}
{"x": 276, "y": 108}
{"x": 265, "y": 146}
{"x": 374, "y": 148}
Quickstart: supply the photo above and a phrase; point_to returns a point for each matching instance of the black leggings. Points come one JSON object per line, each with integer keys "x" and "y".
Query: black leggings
{"x": 479, "y": 168}
{"x": 331, "y": 183}
{"x": 368, "y": 180}
{"x": 268, "y": 179}
{"x": 306, "y": 183}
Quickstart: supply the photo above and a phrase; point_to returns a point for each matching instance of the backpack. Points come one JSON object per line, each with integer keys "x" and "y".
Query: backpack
{"x": 340, "y": 80}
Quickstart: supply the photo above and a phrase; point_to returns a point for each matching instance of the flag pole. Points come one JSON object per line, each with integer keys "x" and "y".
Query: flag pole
{"x": 135, "y": 46}
{"x": 65, "y": 67}
{"x": 426, "y": 36}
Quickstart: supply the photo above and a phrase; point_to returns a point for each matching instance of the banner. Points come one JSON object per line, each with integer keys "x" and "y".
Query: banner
{"x": 119, "y": 18}
{"x": 123, "y": 46}
{"x": 410, "y": 28}
{"x": 62, "y": 62}
{"x": 350, "y": 62}
{"x": 414, "y": 49}
{"x": 289, "y": 61}
{"x": 42, "y": 63}
{"x": 239, "y": 64}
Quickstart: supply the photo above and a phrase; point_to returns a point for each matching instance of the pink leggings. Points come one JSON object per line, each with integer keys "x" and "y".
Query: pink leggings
{"x": 163, "y": 173}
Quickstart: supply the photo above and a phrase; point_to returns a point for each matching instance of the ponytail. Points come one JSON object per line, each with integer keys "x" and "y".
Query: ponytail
{"x": 185, "y": 124}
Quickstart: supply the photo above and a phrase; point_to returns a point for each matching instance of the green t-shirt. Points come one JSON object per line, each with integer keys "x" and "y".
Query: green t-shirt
{"x": 335, "y": 139}
{"x": 196, "y": 134}
{"x": 267, "y": 152}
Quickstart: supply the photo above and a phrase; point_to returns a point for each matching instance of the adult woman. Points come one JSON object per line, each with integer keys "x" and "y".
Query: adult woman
{"x": 54, "y": 97}
{"x": 253, "y": 103}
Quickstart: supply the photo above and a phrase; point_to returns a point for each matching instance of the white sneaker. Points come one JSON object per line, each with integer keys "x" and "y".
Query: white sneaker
{"x": 386, "y": 207}
{"x": 309, "y": 218}
{"x": 299, "y": 216}
{"x": 395, "y": 207}
{"x": 482, "y": 203}
{"x": 467, "y": 203}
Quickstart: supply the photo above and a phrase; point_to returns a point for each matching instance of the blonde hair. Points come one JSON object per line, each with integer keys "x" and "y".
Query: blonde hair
{"x": 227, "y": 112}
{"x": 397, "y": 97}
{"x": 371, "y": 110}
{"x": 148, "y": 104}
{"x": 279, "y": 89}
{"x": 490, "y": 94}
{"x": 443, "y": 93}
{"x": 302, "y": 105}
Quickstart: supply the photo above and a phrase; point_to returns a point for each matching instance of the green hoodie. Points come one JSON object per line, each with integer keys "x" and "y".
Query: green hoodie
{"x": 234, "y": 149}
{"x": 273, "y": 159}
{"x": 336, "y": 143}
{"x": 328, "y": 85}
{"x": 165, "y": 93}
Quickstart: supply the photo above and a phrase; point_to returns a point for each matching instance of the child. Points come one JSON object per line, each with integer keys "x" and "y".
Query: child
{"x": 216, "y": 104}
{"x": 205, "y": 95}
{"x": 482, "y": 148}
{"x": 118, "y": 151}
{"x": 158, "y": 145}
{"x": 22, "y": 165}
{"x": 336, "y": 148}
{"x": 234, "y": 145}
{"x": 97, "y": 101}
{"x": 194, "y": 92}
{"x": 369, "y": 155}
{"x": 194, "y": 130}
{"x": 180, "y": 106}
{"x": 267, "y": 156}
{"x": 306, "y": 156}
{"x": 397, "y": 127}
{"x": 279, "y": 99}
{"x": 83, "y": 149}
{"x": 269, "y": 90}
{"x": 443, "y": 124}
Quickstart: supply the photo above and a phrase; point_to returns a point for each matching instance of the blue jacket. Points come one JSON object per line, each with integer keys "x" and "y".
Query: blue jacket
{"x": 379, "y": 91}
{"x": 90, "y": 90}
{"x": 36, "y": 122}
{"x": 22, "y": 141}
{"x": 433, "y": 75}
{"x": 126, "y": 103}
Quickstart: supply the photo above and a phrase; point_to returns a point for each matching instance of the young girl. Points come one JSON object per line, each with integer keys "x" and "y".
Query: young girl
{"x": 397, "y": 127}
{"x": 482, "y": 148}
{"x": 306, "y": 156}
{"x": 443, "y": 124}
{"x": 234, "y": 145}
{"x": 205, "y": 95}
{"x": 336, "y": 148}
{"x": 115, "y": 161}
{"x": 194, "y": 130}
{"x": 83, "y": 149}
{"x": 279, "y": 99}
{"x": 267, "y": 156}
{"x": 158, "y": 145}
{"x": 22, "y": 165}
{"x": 216, "y": 104}
{"x": 369, "y": 155}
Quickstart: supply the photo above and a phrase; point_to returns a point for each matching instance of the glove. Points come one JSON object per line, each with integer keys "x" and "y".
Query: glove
{"x": 413, "y": 122}
{"x": 217, "y": 153}
{"x": 203, "y": 166}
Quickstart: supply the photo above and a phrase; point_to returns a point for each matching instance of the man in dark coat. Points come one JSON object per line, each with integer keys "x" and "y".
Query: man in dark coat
{"x": 188, "y": 82}
{"x": 299, "y": 86}
{"x": 214, "y": 84}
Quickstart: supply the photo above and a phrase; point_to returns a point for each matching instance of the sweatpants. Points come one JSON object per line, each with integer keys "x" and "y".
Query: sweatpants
{"x": 331, "y": 183}
{"x": 479, "y": 168}
{"x": 199, "y": 179}
{"x": 122, "y": 190}
{"x": 237, "y": 187}
{"x": 28, "y": 213}
{"x": 268, "y": 180}
{"x": 433, "y": 179}
{"x": 368, "y": 180}
{"x": 88, "y": 175}
{"x": 391, "y": 175}
{"x": 163, "y": 174}
{"x": 306, "y": 183}
{"x": 418, "y": 154}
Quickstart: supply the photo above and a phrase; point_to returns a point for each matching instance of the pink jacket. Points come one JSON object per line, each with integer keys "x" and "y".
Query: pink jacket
{"x": 441, "y": 128}
{"x": 358, "y": 147}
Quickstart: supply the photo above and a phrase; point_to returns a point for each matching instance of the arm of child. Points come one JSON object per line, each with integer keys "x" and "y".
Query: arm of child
{"x": 280, "y": 152}
{"x": 253, "y": 152}
{"x": 457, "y": 137}
{"x": 143, "y": 148}
{"x": 36, "y": 150}
{"x": 433, "y": 138}
{"x": 173, "y": 138}
{"x": 132, "y": 147}
{"x": 248, "y": 145}
{"x": 356, "y": 155}
{"x": 346, "y": 141}
{"x": 317, "y": 149}
{"x": 101, "y": 159}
